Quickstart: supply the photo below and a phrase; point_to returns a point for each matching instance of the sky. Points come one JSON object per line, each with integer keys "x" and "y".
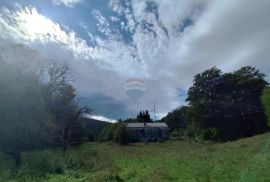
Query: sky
{"x": 163, "y": 43}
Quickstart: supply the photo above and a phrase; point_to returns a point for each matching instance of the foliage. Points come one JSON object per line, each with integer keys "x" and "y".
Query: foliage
{"x": 108, "y": 133}
{"x": 144, "y": 117}
{"x": 93, "y": 127}
{"x": 177, "y": 119}
{"x": 266, "y": 103}
{"x": 122, "y": 136}
{"x": 227, "y": 106}
{"x": 115, "y": 132}
{"x": 210, "y": 134}
{"x": 243, "y": 160}
{"x": 60, "y": 101}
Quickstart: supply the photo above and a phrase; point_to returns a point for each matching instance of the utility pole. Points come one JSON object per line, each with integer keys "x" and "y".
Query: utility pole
{"x": 154, "y": 111}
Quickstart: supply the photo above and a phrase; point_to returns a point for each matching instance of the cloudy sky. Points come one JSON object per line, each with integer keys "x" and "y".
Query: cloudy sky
{"x": 163, "y": 42}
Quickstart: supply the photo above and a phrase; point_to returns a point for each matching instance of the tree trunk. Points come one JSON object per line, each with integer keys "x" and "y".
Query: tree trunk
{"x": 66, "y": 139}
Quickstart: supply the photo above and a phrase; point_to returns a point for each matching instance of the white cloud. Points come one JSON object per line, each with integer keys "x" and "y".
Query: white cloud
{"x": 100, "y": 118}
{"x": 103, "y": 24}
{"x": 68, "y": 3}
{"x": 226, "y": 34}
{"x": 114, "y": 18}
{"x": 223, "y": 34}
{"x": 28, "y": 26}
{"x": 116, "y": 6}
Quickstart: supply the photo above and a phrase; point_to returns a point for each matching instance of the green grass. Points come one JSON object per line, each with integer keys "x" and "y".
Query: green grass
{"x": 243, "y": 160}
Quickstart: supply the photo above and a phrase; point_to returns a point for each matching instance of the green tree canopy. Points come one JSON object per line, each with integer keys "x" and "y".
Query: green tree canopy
{"x": 227, "y": 106}
{"x": 266, "y": 103}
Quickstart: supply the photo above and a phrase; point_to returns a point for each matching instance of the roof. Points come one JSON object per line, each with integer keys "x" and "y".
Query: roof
{"x": 141, "y": 125}
{"x": 135, "y": 125}
{"x": 157, "y": 124}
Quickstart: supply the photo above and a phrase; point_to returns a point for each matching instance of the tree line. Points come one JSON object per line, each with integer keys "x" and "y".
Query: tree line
{"x": 223, "y": 106}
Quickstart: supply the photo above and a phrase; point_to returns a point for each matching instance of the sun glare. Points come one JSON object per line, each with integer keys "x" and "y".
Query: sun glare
{"x": 37, "y": 26}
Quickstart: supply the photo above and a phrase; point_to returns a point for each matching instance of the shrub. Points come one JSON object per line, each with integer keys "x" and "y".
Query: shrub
{"x": 40, "y": 163}
{"x": 175, "y": 133}
{"x": 107, "y": 134}
{"x": 210, "y": 134}
{"x": 121, "y": 134}
{"x": 115, "y": 132}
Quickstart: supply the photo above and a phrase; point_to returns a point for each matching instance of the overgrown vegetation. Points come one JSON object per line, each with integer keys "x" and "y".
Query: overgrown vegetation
{"x": 243, "y": 160}
{"x": 115, "y": 132}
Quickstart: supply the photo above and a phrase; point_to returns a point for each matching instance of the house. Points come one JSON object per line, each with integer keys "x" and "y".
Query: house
{"x": 147, "y": 131}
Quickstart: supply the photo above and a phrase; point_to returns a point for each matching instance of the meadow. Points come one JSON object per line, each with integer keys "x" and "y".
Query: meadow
{"x": 175, "y": 160}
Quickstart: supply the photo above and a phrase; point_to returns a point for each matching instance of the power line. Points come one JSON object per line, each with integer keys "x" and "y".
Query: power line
{"x": 154, "y": 111}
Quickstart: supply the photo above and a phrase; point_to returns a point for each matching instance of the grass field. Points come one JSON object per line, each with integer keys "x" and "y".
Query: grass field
{"x": 246, "y": 160}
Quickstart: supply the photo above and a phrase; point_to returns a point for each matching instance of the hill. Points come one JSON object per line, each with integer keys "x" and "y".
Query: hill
{"x": 94, "y": 126}
{"x": 243, "y": 160}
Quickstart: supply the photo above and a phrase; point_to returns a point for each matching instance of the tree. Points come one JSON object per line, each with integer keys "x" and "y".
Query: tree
{"x": 244, "y": 87}
{"x": 144, "y": 117}
{"x": 227, "y": 106}
{"x": 37, "y": 103}
{"x": 204, "y": 98}
{"x": 24, "y": 121}
{"x": 266, "y": 103}
{"x": 177, "y": 119}
{"x": 60, "y": 96}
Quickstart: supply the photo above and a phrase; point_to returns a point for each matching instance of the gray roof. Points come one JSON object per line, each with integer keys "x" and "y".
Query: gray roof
{"x": 157, "y": 124}
{"x": 135, "y": 125}
{"x": 141, "y": 125}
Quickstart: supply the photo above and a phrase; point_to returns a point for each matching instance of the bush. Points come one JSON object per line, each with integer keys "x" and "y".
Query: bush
{"x": 116, "y": 132}
{"x": 210, "y": 134}
{"x": 175, "y": 133}
{"x": 122, "y": 134}
{"x": 107, "y": 134}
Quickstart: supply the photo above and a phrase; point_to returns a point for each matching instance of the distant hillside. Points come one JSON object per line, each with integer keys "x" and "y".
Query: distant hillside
{"x": 94, "y": 126}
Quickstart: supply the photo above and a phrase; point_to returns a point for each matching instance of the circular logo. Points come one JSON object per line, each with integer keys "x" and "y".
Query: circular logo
{"x": 134, "y": 87}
